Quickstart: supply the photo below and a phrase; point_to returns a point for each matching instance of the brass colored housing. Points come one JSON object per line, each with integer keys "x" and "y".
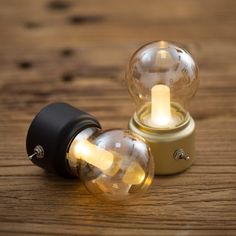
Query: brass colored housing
{"x": 165, "y": 143}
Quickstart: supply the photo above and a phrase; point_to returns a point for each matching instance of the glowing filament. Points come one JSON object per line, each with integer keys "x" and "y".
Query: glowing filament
{"x": 108, "y": 162}
{"x": 134, "y": 174}
{"x": 92, "y": 154}
{"x": 160, "y": 105}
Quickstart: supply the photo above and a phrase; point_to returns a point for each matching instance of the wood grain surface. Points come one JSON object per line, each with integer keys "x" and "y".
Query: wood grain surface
{"x": 76, "y": 51}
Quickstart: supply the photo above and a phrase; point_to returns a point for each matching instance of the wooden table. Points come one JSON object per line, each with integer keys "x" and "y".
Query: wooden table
{"x": 76, "y": 52}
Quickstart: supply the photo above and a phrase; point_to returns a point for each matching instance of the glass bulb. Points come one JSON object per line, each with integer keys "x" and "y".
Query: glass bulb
{"x": 115, "y": 164}
{"x": 162, "y": 78}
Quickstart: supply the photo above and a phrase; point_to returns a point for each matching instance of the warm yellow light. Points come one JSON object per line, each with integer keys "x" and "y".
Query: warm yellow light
{"x": 108, "y": 162}
{"x": 83, "y": 149}
{"x": 163, "y": 54}
{"x": 106, "y": 185}
{"x": 134, "y": 174}
{"x": 160, "y": 105}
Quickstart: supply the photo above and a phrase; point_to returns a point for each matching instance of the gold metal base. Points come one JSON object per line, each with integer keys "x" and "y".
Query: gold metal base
{"x": 173, "y": 150}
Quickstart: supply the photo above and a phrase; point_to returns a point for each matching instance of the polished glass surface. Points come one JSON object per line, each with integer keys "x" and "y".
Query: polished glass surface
{"x": 162, "y": 63}
{"x": 115, "y": 165}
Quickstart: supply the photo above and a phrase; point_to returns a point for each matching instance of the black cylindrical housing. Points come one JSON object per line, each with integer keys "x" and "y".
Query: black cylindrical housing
{"x": 53, "y": 128}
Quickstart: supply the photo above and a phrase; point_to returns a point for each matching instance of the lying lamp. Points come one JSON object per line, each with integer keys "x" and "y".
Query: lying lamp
{"x": 114, "y": 164}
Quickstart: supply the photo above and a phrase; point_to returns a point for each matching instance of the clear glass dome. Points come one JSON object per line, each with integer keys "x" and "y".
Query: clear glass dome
{"x": 162, "y": 79}
{"x": 115, "y": 165}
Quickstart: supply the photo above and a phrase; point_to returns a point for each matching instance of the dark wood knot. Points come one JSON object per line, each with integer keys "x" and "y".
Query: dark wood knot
{"x": 58, "y": 5}
{"x": 25, "y": 65}
{"x": 32, "y": 25}
{"x": 79, "y": 19}
{"x": 67, "y": 52}
{"x": 67, "y": 77}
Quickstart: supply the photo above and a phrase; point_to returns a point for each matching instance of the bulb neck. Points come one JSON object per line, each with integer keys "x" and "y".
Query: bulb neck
{"x": 53, "y": 129}
{"x": 152, "y": 130}
{"x": 179, "y": 120}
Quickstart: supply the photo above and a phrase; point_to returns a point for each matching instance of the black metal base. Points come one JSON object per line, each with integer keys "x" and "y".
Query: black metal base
{"x": 53, "y": 128}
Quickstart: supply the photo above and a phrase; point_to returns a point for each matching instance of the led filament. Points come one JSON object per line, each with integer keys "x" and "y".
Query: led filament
{"x": 160, "y": 106}
{"x": 92, "y": 154}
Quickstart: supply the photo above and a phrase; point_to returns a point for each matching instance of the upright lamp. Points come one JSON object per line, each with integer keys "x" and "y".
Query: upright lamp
{"x": 162, "y": 78}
